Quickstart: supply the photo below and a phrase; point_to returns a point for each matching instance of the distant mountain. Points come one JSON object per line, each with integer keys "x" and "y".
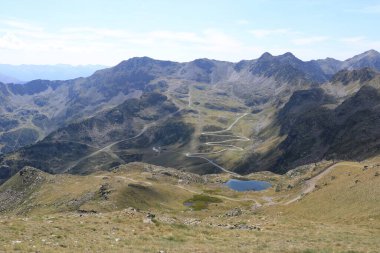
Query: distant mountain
{"x": 297, "y": 112}
{"x": 288, "y": 68}
{"x": 8, "y": 79}
{"x": 370, "y": 59}
{"x": 41, "y": 106}
{"x": 25, "y": 73}
{"x": 329, "y": 65}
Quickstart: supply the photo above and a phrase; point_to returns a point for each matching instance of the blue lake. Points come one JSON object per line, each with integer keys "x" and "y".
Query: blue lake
{"x": 247, "y": 185}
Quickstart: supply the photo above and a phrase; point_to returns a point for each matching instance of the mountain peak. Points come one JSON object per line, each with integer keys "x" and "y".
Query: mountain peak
{"x": 266, "y": 55}
{"x": 371, "y": 53}
{"x": 288, "y": 58}
{"x": 366, "y": 55}
{"x": 330, "y": 59}
{"x": 142, "y": 62}
{"x": 288, "y": 55}
{"x": 137, "y": 60}
{"x": 370, "y": 58}
{"x": 203, "y": 63}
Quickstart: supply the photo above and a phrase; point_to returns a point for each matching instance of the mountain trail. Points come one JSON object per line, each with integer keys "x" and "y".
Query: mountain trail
{"x": 311, "y": 183}
{"x": 226, "y": 147}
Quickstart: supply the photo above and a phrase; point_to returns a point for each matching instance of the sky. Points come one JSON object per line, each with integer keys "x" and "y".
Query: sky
{"x": 109, "y": 31}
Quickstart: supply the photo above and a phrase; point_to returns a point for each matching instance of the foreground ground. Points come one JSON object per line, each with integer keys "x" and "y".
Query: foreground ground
{"x": 139, "y": 208}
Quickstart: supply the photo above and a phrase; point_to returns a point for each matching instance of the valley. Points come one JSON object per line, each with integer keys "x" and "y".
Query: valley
{"x": 136, "y": 157}
{"x": 201, "y": 103}
{"x": 189, "y": 126}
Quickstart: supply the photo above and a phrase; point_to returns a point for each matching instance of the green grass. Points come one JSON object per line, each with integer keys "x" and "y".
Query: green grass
{"x": 200, "y": 202}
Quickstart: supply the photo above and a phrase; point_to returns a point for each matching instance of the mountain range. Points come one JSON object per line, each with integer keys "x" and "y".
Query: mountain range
{"x": 270, "y": 155}
{"x": 272, "y": 113}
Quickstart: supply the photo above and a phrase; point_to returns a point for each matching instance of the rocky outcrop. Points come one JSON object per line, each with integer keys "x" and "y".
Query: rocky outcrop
{"x": 15, "y": 191}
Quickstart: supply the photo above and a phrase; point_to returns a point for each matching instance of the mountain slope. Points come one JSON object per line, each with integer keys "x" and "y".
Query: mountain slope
{"x": 281, "y": 98}
{"x": 314, "y": 124}
{"x": 43, "y": 106}
{"x": 317, "y": 125}
{"x": 86, "y": 146}
{"x": 47, "y": 105}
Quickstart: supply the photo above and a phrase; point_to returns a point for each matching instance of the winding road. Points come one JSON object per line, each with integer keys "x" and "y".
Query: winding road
{"x": 222, "y": 133}
{"x": 226, "y": 147}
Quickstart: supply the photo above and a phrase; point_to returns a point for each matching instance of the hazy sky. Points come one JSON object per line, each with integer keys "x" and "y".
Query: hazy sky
{"x": 109, "y": 31}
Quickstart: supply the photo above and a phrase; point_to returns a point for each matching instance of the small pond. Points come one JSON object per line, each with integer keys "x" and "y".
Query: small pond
{"x": 247, "y": 185}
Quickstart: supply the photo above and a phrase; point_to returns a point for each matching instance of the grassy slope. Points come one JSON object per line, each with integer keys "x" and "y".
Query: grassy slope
{"x": 340, "y": 216}
{"x": 347, "y": 194}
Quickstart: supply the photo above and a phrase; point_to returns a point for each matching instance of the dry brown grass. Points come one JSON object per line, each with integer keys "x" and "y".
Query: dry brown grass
{"x": 340, "y": 216}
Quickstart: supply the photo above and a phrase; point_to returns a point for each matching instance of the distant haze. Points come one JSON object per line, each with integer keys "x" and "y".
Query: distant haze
{"x": 24, "y": 73}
